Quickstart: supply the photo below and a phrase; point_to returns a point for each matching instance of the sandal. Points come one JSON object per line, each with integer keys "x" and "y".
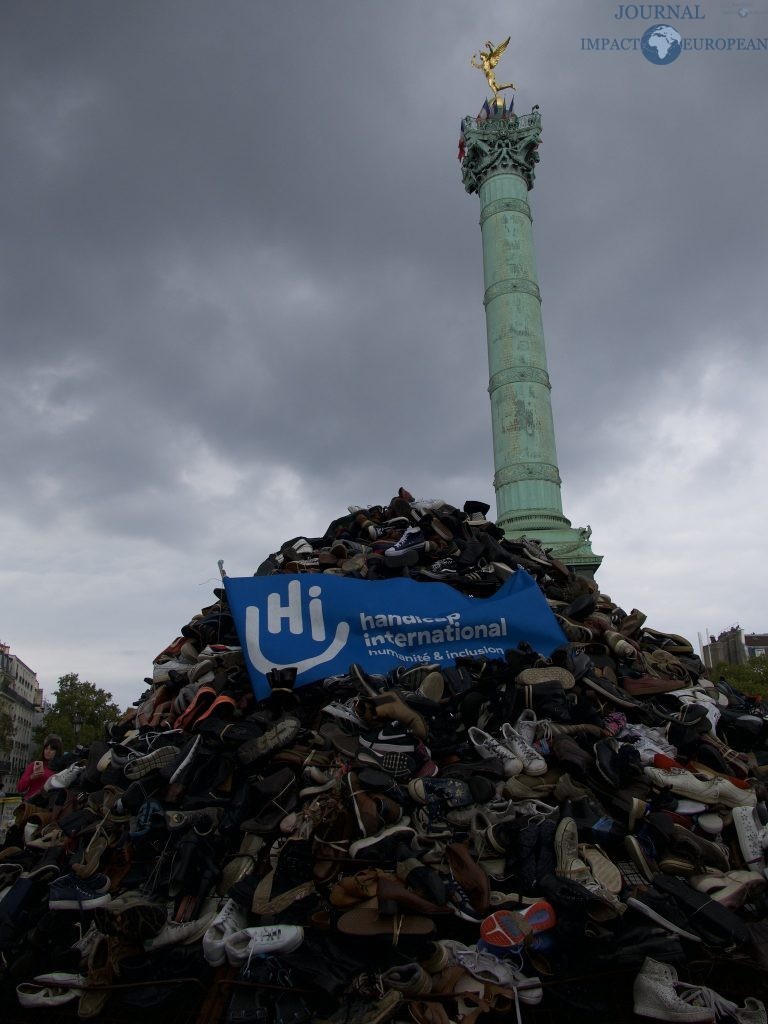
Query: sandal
{"x": 369, "y": 923}
{"x": 424, "y": 1012}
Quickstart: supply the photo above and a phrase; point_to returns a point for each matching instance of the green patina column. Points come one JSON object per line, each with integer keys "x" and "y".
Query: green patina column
{"x": 500, "y": 153}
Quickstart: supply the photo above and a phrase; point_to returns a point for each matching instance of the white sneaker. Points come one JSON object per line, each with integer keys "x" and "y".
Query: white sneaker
{"x": 707, "y": 791}
{"x": 230, "y": 919}
{"x": 533, "y": 762}
{"x": 65, "y": 778}
{"x": 175, "y": 933}
{"x": 39, "y": 995}
{"x": 648, "y": 742}
{"x": 480, "y": 816}
{"x": 537, "y": 809}
{"x": 423, "y": 505}
{"x": 263, "y": 940}
{"x": 487, "y": 747}
{"x": 484, "y": 965}
{"x": 655, "y": 995}
{"x": 752, "y": 1012}
{"x": 753, "y": 838}
{"x": 733, "y": 796}
{"x": 526, "y": 725}
{"x": 346, "y": 711}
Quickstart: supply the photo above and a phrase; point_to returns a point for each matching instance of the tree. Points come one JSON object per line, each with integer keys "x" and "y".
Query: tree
{"x": 751, "y": 678}
{"x": 74, "y": 696}
{"x": 6, "y": 732}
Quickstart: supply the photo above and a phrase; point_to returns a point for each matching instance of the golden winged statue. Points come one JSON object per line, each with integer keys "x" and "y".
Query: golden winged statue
{"x": 488, "y": 62}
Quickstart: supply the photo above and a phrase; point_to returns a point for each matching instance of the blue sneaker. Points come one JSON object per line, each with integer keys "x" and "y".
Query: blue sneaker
{"x": 406, "y": 550}
{"x": 71, "y": 893}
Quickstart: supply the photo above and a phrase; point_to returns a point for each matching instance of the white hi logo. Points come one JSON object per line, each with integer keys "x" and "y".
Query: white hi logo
{"x": 291, "y": 611}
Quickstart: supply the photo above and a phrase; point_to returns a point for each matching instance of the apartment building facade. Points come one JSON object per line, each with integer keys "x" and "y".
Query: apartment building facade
{"x": 22, "y": 698}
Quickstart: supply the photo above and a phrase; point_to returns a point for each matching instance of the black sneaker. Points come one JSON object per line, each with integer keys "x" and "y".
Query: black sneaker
{"x": 392, "y": 738}
{"x": 662, "y": 908}
{"x": 385, "y": 846}
{"x": 375, "y": 531}
{"x": 443, "y": 569}
{"x": 483, "y": 577}
{"x": 231, "y": 734}
{"x": 618, "y": 763}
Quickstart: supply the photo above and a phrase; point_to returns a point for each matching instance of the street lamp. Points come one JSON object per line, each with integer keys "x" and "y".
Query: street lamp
{"x": 77, "y": 724}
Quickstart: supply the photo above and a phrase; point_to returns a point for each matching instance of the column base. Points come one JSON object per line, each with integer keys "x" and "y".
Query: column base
{"x": 554, "y": 532}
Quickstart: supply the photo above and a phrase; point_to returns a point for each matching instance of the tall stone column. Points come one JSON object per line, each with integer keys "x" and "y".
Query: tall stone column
{"x": 500, "y": 153}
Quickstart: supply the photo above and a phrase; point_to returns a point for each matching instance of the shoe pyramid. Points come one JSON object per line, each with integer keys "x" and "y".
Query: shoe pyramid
{"x": 518, "y": 835}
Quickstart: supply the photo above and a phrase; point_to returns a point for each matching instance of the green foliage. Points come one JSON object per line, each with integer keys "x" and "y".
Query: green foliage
{"x": 6, "y": 731}
{"x": 751, "y": 678}
{"x": 96, "y": 707}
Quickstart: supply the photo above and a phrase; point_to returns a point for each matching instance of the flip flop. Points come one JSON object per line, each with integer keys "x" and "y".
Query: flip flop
{"x": 424, "y": 1012}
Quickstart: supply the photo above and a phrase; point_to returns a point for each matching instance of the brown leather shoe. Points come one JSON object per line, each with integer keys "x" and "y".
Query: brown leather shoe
{"x": 393, "y": 896}
{"x": 353, "y": 889}
{"x": 470, "y": 876}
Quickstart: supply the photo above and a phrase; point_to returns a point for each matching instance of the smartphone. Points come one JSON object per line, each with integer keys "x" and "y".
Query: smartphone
{"x": 38, "y": 766}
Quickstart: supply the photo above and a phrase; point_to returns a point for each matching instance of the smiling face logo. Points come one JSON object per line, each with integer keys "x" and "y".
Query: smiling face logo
{"x": 293, "y": 615}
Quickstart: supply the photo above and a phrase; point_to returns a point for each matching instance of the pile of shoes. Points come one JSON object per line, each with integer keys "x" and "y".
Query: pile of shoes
{"x": 494, "y": 839}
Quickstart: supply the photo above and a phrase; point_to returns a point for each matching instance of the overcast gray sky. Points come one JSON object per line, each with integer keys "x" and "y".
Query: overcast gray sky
{"x": 241, "y": 288}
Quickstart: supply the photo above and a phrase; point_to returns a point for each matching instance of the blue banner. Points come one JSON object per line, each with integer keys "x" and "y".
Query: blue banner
{"x": 321, "y": 624}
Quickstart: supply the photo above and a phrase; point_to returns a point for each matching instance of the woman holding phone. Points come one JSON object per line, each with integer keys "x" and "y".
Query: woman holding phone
{"x": 34, "y": 775}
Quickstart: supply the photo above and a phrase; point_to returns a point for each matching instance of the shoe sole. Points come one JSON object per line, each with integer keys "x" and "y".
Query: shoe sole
{"x": 87, "y": 904}
{"x": 636, "y": 812}
{"x": 274, "y": 739}
{"x": 613, "y": 694}
{"x": 217, "y": 959}
{"x": 399, "y": 766}
{"x": 637, "y": 856}
{"x": 256, "y": 948}
{"x": 649, "y": 912}
{"x": 187, "y": 760}
{"x": 164, "y": 757}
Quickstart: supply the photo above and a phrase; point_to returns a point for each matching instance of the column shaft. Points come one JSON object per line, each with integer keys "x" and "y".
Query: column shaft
{"x": 525, "y": 456}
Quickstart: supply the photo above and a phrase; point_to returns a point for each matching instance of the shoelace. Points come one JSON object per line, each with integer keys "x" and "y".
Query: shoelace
{"x": 369, "y": 985}
{"x": 407, "y": 538}
{"x": 696, "y": 995}
{"x": 227, "y": 913}
{"x": 544, "y": 729}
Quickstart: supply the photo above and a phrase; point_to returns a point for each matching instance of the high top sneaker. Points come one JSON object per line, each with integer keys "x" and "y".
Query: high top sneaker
{"x": 546, "y": 861}
{"x": 528, "y": 840}
{"x": 594, "y": 826}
